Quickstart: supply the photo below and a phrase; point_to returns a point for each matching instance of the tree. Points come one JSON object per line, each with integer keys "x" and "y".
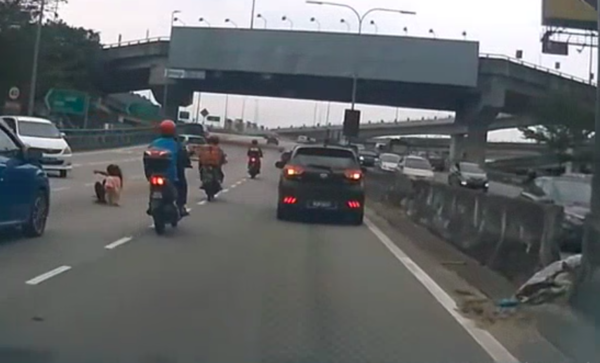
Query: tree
{"x": 67, "y": 54}
{"x": 565, "y": 124}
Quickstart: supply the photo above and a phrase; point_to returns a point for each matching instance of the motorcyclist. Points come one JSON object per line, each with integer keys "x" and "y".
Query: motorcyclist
{"x": 183, "y": 162}
{"x": 254, "y": 151}
{"x": 213, "y": 141}
{"x": 167, "y": 141}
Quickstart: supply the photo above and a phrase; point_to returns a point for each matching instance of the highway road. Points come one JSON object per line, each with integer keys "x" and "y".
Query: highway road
{"x": 231, "y": 284}
{"x": 502, "y": 189}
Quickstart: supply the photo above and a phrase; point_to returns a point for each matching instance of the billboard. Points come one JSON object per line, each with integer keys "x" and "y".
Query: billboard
{"x": 576, "y": 14}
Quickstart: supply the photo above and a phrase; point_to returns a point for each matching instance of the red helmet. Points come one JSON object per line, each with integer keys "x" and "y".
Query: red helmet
{"x": 167, "y": 128}
{"x": 213, "y": 139}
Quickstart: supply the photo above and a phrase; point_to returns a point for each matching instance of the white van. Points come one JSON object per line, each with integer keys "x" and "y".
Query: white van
{"x": 42, "y": 134}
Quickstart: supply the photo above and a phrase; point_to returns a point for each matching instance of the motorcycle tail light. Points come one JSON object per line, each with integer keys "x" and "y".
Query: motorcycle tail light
{"x": 157, "y": 180}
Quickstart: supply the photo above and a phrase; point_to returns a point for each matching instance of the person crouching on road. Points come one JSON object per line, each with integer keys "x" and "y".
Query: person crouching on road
{"x": 109, "y": 190}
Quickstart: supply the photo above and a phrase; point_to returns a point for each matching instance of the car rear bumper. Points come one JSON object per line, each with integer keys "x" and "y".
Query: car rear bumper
{"x": 322, "y": 198}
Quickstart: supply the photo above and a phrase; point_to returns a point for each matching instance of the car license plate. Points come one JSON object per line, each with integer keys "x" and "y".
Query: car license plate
{"x": 157, "y": 195}
{"x": 321, "y": 204}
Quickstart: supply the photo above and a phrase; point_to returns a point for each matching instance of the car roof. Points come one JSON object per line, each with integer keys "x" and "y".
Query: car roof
{"x": 29, "y": 119}
{"x": 190, "y": 135}
{"x": 331, "y": 147}
{"x": 416, "y": 157}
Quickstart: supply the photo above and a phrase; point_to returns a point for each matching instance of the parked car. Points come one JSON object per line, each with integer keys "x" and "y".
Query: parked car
{"x": 321, "y": 178}
{"x": 368, "y": 158}
{"x": 416, "y": 168}
{"x": 42, "y": 134}
{"x": 571, "y": 192}
{"x": 389, "y": 162}
{"x": 468, "y": 175}
{"x": 24, "y": 186}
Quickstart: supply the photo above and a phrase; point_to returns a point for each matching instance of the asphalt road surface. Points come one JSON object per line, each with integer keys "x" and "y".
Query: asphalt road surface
{"x": 230, "y": 284}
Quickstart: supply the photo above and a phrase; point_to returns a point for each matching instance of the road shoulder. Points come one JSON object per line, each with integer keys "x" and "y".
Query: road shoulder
{"x": 473, "y": 287}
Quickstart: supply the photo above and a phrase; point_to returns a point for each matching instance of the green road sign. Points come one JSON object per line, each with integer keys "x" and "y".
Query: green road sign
{"x": 66, "y": 101}
{"x": 143, "y": 110}
{"x": 213, "y": 119}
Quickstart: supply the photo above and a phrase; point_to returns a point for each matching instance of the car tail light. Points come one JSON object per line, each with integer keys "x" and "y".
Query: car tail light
{"x": 291, "y": 171}
{"x": 354, "y": 204}
{"x": 252, "y": 160}
{"x": 157, "y": 180}
{"x": 354, "y": 175}
{"x": 290, "y": 200}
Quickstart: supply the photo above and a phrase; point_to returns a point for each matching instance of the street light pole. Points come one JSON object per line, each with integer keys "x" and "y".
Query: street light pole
{"x": 360, "y": 18}
{"x": 263, "y": 19}
{"x": 315, "y": 20}
{"x": 285, "y": 18}
{"x": 36, "y": 57}
{"x": 252, "y": 15}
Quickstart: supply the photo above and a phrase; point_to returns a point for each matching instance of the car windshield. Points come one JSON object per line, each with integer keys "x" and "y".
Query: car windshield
{"x": 332, "y": 158}
{"x": 196, "y": 140}
{"x": 572, "y": 192}
{"x": 417, "y": 163}
{"x": 38, "y": 129}
{"x": 368, "y": 154}
{"x": 389, "y": 158}
{"x": 471, "y": 168}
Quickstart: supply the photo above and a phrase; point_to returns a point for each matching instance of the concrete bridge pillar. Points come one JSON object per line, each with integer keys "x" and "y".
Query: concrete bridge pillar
{"x": 176, "y": 96}
{"x": 471, "y": 147}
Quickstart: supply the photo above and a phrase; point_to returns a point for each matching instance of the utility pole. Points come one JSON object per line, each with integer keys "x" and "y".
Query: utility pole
{"x": 36, "y": 58}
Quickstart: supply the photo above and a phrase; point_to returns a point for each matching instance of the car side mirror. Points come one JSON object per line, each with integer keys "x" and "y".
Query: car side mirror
{"x": 62, "y": 134}
{"x": 33, "y": 155}
{"x": 279, "y": 164}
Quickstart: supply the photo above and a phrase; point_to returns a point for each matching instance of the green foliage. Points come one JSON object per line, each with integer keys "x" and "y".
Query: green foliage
{"x": 67, "y": 54}
{"x": 564, "y": 123}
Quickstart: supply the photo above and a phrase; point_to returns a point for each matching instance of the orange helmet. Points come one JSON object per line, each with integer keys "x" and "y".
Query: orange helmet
{"x": 167, "y": 128}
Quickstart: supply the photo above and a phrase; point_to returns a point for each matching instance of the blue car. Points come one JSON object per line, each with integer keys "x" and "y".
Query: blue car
{"x": 24, "y": 186}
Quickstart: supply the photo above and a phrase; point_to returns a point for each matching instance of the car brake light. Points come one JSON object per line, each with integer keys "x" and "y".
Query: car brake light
{"x": 353, "y": 174}
{"x": 157, "y": 180}
{"x": 292, "y": 171}
{"x": 354, "y": 204}
{"x": 289, "y": 200}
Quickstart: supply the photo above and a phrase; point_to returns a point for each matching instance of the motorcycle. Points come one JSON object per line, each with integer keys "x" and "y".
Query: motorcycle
{"x": 253, "y": 167}
{"x": 211, "y": 181}
{"x": 163, "y": 195}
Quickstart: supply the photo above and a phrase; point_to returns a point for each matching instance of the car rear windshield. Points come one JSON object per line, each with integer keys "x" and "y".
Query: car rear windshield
{"x": 390, "y": 158}
{"x": 368, "y": 153}
{"x": 333, "y": 158}
{"x": 38, "y": 129}
{"x": 470, "y": 168}
{"x": 415, "y": 163}
{"x": 197, "y": 140}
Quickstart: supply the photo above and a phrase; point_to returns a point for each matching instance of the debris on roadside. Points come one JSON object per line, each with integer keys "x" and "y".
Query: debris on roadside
{"x": 553, "y": 282}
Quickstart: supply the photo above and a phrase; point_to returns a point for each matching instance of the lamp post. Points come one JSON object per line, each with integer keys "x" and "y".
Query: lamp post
{"x": 372, "y": 22}
{"x": 343, "y": 21}
{"x": 252, "y": 14}
{"x": 232, "y": 22}
{"x": 285, "y": 18}
{"x": 360, "y": 18}
{"x": 36, "y": 58}
{"x": 202, "y": 20}
{"x": 315, "y": 20}
{"x": 260, "y": 16}
{"x": 432, "y": 32}
{"x": 166, "y": 90}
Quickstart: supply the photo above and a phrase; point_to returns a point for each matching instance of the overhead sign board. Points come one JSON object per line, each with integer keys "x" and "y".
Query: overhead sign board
{"x": 555, "y": 48}
{"x": 66, "y": 101}
{"x": 575, "y": 14}
{"x": 213, "y": 119}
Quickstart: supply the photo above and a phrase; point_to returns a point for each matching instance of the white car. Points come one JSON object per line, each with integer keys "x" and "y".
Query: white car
{"x": 416, "y": 168}
{"x": 389, "y": 162}
{"x": 39, "y": 133}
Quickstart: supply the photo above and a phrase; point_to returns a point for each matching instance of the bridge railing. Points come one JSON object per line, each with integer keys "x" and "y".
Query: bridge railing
{"x": 135, "y": 42}
{"x": 536, "y": 67}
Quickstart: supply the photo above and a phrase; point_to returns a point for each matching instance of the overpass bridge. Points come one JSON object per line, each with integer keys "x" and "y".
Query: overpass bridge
{"x": 435, "y": 126}
{"x": 389, "y": 71}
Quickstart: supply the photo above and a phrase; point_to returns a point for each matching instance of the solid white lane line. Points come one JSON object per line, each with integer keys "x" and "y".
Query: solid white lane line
{"x": 43, "y": 277}
{"x": 484, "y": 338}
{"x": 118, "y": 242}
{"x": 60, "y": 189}
{"x": 89, "y": 184}
{"x": 202, "y": 202}
{"x": 224, "y": 190}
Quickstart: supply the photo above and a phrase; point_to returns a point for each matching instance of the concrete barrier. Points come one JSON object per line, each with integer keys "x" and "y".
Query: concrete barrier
{"x": 512, "y": 236}
{"x": 85, "y": 140}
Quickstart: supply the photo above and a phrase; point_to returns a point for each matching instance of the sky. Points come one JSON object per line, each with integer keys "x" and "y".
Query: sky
{"x": 501, "y": 26}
